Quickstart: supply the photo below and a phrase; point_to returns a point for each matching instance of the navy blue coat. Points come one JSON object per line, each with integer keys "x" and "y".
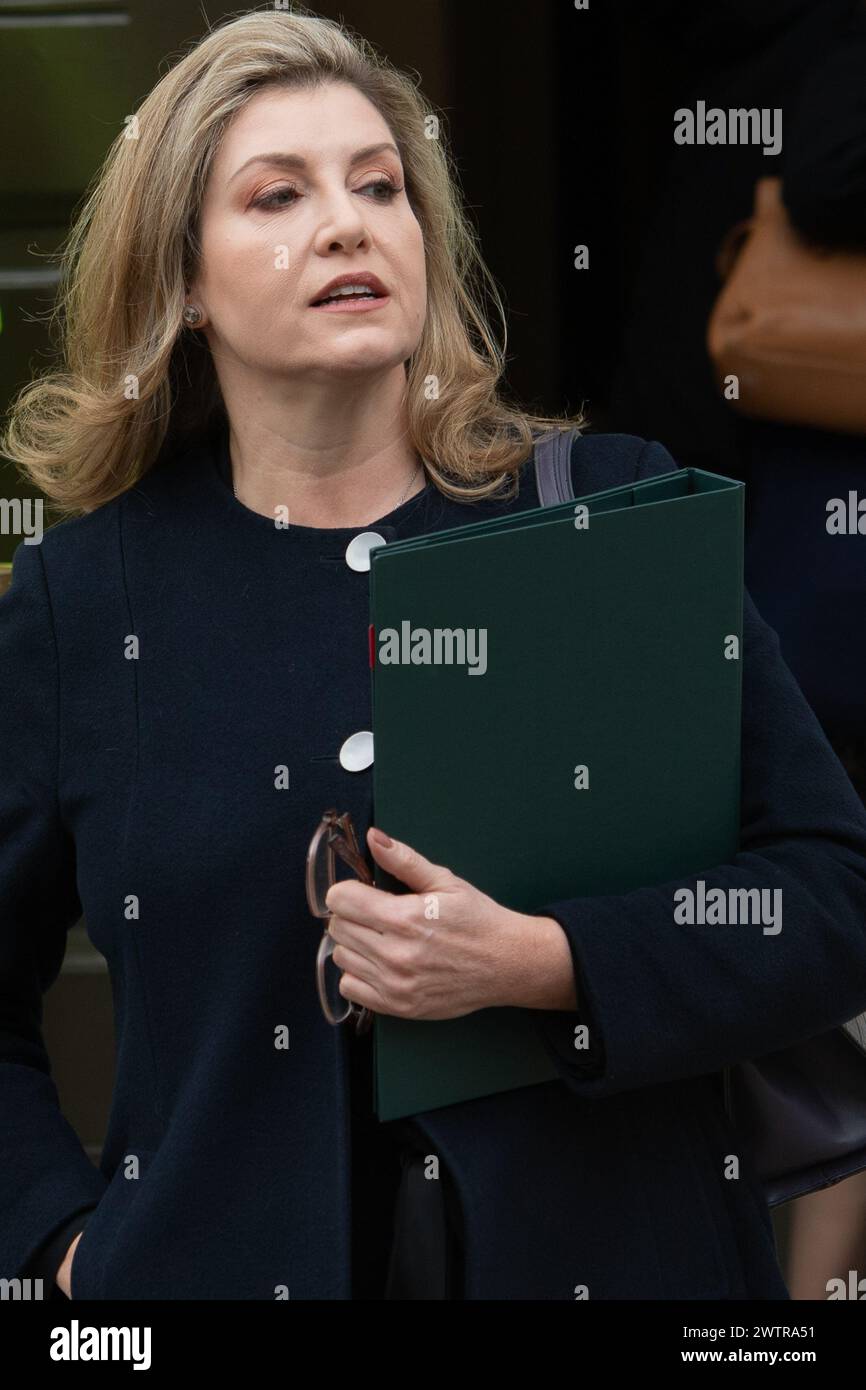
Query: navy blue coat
{"x": 142, "y": 789}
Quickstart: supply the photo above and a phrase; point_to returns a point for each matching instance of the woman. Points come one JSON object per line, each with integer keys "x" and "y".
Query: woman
{"x": 188, "y": 674}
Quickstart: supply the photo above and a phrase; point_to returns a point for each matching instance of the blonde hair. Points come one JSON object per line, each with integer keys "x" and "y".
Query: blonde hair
{"x": 135, "y": 383}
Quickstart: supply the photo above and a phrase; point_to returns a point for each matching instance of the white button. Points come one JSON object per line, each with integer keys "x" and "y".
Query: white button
{"x": 358, "y": 549}
{"x": 357, "y": 752}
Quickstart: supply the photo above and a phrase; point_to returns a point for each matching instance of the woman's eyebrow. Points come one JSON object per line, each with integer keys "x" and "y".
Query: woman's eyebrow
{"x": 297, "y": 161}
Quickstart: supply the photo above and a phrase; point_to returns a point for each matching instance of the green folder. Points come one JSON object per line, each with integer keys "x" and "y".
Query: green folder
{"x": 612, "y": 626}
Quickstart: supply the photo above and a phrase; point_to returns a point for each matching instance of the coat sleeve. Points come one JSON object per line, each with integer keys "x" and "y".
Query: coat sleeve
{"x": 50, "y": 1256}
{"x": 663, "y": 1001}
{"x": 45, "y": 1175}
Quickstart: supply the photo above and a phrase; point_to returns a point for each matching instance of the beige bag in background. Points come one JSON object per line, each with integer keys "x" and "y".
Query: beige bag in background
{"x": 790, "y": 322}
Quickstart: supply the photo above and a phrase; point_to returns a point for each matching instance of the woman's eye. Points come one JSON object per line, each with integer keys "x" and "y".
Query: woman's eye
{"x": 268, "y": 201}
{"x": 383, "y": 189}
{"x": 386, "y": 187}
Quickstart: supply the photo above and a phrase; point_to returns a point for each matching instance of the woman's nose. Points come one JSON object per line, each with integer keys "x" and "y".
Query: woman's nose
{"x": 341, "y": 217}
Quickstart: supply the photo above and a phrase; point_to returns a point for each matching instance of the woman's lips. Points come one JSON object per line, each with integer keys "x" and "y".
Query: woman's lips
{"x": 352, "y": 306}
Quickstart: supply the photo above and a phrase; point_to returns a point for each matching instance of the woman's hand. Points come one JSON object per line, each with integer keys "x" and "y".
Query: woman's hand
{"x": 445, "y": 949}
{"x": 64, "y": 1273}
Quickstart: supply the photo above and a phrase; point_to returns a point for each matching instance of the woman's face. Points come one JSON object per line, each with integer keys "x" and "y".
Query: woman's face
{"x": 292, "y": 201}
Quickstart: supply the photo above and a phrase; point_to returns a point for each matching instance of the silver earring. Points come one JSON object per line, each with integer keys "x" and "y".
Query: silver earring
{"x": 192, "y": 315}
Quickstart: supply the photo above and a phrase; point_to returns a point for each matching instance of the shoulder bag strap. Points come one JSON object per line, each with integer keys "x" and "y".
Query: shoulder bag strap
{"x": 553, "y": 467}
